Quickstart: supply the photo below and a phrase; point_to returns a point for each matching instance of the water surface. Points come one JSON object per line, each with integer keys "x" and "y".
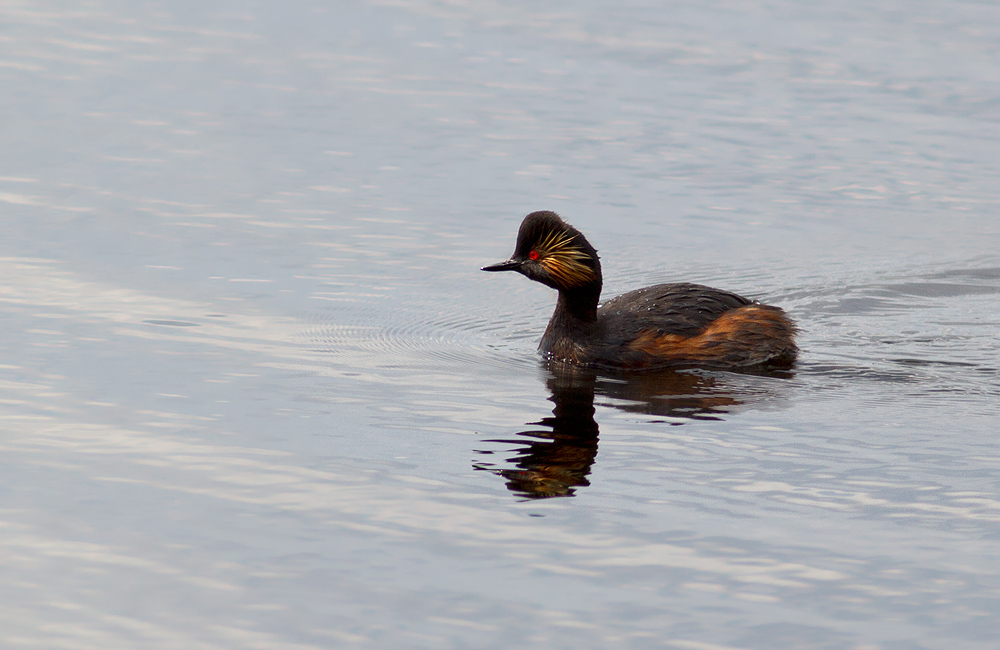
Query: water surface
{"x": 258, "y": 395}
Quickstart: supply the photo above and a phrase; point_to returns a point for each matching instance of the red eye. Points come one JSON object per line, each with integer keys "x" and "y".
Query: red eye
{"x": 533, "y": 255}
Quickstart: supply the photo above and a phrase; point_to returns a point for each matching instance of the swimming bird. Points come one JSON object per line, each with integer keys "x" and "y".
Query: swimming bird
{"x": 680, "y": 325}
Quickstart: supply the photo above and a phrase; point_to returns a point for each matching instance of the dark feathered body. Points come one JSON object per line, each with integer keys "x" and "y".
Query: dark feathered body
{"x": 662, "y": 326}
{"x": 674, "y": 325}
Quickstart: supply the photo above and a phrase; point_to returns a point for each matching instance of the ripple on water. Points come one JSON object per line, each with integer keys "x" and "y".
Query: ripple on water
{"x": 929, "y": 332}
{"x": 171, "y": 323}
{"x": 381, "y": 338}
{"x": 923, "y": 332}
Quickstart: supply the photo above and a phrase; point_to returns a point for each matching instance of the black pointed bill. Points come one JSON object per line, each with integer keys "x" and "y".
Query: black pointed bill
{"x": 509, "y": 265}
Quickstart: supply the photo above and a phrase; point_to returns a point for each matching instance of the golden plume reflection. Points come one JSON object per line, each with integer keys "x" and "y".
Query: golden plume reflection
{"x": 554, "y": 457}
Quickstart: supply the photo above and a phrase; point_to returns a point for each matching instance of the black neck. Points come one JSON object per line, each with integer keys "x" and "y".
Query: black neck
{"x": 579, "y": 303}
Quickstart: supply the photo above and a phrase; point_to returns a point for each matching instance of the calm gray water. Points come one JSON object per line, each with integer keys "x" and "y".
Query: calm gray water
{"x": 256, "y": 393}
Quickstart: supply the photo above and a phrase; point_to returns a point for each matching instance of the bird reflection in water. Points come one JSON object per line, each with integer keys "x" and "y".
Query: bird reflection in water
{"x": 554, "y": 457}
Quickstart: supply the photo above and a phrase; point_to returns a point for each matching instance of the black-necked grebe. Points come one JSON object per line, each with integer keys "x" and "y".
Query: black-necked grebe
{"x": 663, "y": 326}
